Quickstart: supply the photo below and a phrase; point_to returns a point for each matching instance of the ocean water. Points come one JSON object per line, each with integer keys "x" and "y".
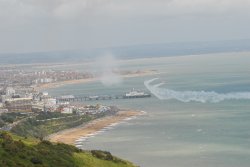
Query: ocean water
{"x": 199, "y": 117}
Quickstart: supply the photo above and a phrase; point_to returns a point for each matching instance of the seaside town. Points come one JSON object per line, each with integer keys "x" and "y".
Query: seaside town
{"x": 20, "y": 93}
{"x": 19, "y": 90}
{"x": 23, "y": 96}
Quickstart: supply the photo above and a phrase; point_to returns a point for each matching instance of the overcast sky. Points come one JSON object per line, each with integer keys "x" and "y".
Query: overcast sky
{"x": 44, "y": 25}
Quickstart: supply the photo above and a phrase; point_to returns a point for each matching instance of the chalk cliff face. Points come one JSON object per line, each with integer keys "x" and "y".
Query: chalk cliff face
{"x": 17, "y": 151}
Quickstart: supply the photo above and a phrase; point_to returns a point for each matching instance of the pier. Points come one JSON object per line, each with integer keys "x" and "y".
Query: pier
{"x": 72, "y": 98}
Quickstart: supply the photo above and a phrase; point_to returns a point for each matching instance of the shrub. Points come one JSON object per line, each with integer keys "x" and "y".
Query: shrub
{"x": 1, "y": 123}
{"x": 46, "y": 142}
{"x": 102, "y": 155}
{"x": 36, "y": 160}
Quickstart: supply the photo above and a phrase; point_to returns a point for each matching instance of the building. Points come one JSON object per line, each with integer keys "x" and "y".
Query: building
{"x": 50, "y": 104}
{"x": 10, "y": 91}
{"x": 67, "y": 110}
{"x": 2, "y": 110}
{"x": 19, "y": 104}
{"x": 38, "y": 106}
{"x": 4, "y": 98}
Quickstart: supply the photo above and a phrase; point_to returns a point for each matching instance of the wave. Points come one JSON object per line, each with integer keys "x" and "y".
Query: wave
{"x": 196, "y": 96}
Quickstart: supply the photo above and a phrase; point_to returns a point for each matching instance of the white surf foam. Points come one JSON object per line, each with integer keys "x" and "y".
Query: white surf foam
{"x": 81, "y": 140}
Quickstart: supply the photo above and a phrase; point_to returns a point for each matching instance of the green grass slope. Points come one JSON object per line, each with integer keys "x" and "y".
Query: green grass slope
{"x": 16, "y": 151}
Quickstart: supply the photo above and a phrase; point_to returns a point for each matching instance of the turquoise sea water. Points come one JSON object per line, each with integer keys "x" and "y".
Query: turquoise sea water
{"x": 175, "y": 133}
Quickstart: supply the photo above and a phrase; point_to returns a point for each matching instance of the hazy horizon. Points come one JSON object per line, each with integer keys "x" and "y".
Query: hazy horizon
{"x": 129, "y": 52}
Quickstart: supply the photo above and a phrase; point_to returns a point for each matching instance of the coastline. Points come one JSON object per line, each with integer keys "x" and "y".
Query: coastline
{"x": 69, "y": 136}
{"x": 63, "y": 83}
{"x": 87, "y": 80}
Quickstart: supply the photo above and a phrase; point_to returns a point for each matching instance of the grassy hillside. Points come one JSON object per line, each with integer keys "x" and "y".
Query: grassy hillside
{"x": 16, "y": 151}
{"x": 51, "y": 122}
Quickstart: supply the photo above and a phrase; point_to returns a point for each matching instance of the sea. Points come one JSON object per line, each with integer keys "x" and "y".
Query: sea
{"x": 198, "y": 115}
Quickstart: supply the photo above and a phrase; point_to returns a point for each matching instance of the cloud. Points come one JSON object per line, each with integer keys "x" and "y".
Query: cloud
{"x": 185, "y": 7}
{"x": 71, "y": 9}
{"x": 76, "y": 8}
{"x": 82, "y": 9}
{"x": 38, "y": 25}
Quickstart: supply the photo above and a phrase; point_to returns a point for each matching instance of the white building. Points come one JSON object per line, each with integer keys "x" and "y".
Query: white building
{"x": 45, "y": 93}
{"x": 48, "y": 80}
{"x": 10, "y": 91}
{"x": 67, "y": 110}
{"x": 50, "y": 102}
{"x": 3, "y": 110}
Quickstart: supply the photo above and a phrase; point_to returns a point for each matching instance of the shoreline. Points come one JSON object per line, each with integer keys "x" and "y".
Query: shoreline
{"x": 63, "y": 83}
{"x": 87, "y": 80}
{"x": 71, "y": 136}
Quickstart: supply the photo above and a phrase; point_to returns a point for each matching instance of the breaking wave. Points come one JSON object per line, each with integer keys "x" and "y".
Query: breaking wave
{"x": 196, "y": 96}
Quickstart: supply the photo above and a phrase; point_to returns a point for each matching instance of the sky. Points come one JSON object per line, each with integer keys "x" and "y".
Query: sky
{"x": 48, "y": 25}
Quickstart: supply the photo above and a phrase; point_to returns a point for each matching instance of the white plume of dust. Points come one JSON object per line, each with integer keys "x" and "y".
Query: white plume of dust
{"x": 108, "y": 66}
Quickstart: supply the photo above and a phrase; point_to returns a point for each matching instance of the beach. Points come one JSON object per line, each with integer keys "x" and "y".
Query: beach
{"x": 62, "y": 83}
{"x": 69, "y": 136}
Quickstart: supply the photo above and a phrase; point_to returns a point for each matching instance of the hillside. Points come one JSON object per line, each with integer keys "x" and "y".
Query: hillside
{"x": 16, "y": 151}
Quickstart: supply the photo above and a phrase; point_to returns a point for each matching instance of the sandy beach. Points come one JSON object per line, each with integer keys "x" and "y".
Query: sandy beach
{"x": 62, "y": 83}
{"x": 69, "y": 136}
